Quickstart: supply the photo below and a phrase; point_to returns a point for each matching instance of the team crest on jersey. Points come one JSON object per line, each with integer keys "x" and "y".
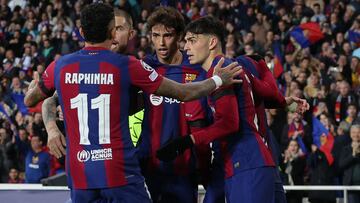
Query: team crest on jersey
{"x": 189, "y": 77}
{"x": 35, "y": 159}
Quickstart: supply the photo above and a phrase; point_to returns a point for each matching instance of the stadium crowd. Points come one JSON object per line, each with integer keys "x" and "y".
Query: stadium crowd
{"x": 321, "y": 147}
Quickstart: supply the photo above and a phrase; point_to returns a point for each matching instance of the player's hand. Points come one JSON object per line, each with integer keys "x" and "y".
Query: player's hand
{"x": 302, "y": 104}
{"x": 56, "y": 142}
{"x": 229, "y": 73}
{"x": 35, "y": 80}
{"x": 175, "y": 147}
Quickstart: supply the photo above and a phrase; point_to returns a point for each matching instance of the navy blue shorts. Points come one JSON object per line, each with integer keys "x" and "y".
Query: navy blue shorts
{"x": 172, "y": 188}
{"x": 133, "y": 193}
{"x": 253, "y": 185}
{"x": 215, "y": 191}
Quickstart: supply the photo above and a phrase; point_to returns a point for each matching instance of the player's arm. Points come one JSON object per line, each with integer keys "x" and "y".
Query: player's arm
{"x": 272, "y": 96}
{"x": 56, "y": 140}
{"x": 226, "y": 123}
{"x": 195, "y": 90}
{"x": 34, "y": 94}
{"x": 40, "y": 88}
{"x": 197, "y": 118}
{"x": 202, "y": 152}
{"x": 266, "y": 88}
{"x": 226, "y": 118}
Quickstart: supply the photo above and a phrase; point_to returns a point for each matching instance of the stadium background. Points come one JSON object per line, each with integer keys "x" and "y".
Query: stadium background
{"x": 312, "y": 46}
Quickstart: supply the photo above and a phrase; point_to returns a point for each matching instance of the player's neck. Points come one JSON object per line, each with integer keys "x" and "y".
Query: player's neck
{"x": 106, "y": 44}
{"x": 176, "y": 59}
{"x": 209, "y": 60}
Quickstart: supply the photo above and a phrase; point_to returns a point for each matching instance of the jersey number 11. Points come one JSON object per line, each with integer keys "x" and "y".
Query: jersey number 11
{"x": 102, "y": 102}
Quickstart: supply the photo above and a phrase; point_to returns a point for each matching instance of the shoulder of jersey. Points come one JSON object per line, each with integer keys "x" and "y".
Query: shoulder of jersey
{"x": 67, "y": 57}
{"x": 152, "y": 60}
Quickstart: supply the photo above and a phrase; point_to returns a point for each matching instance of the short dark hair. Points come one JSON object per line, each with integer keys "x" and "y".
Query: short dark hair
{"x": 126, "y": 15}
{"x": 207, "y": 25}
{"x": 169, "y": 17}
{"x": 95, "y": 19}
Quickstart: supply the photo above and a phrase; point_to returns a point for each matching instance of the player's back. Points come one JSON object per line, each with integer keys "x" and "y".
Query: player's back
{"x": 253, "y": 67}
{"x": 246, "y": 148}
{"x": 93, "y": 87}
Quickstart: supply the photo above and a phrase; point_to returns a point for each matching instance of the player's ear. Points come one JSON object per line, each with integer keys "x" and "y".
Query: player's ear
{"x": 82, "y": 33}
{"x": 213, "y": 41}
{"x": 111, "y": 30}
{"x": 131, "y": 34}
{"x": 112, "y": 33}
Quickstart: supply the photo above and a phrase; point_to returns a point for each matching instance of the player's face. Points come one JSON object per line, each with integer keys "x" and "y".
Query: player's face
{"x": 165, "y": 41}
{"x": 122, "y": 35}
{"x": 197, "y": 47}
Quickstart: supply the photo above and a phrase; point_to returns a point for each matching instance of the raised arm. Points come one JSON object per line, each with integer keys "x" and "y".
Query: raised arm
{"x": 41, "y": 88}
{"x": 34, "y": 94}
{"x": 265, "y": 86}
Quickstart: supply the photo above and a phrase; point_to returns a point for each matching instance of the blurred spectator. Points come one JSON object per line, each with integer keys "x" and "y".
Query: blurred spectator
{"x": 350, "y": 163}
{"x": 293, "y": 168}
{"x": 251, "y": 44}
{"x": 318, "y": 15}
{"x": 65, "y": 45}
{"x": 321, "y": 173}
{"x": 14, "y": 176}
{"x": 144, "y": 45}
{"x": 342, "y": 139}
{"x": 340, "y": 103}
{"x": 48, "y": 51}
{"x": 37, "y": 162}
{"x": 260, "y": 28}
{"x": 296, "y": 129}
{"x": 5, "y": 162}
{"x": 355, "y": 70}
{"x": 38, "y": 128}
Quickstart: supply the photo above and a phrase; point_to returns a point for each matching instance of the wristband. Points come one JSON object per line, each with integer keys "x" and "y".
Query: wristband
{"x": 217, "y": 80}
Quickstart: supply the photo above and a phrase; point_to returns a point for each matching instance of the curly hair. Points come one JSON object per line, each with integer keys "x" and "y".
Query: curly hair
{"x": 95, "y": 20}
{"x": 169, "y": 17}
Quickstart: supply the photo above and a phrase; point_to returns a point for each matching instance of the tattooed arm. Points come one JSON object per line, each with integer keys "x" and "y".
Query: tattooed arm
{"x": 185, "y": 92}
{"x": 56, "y": 140}
{"x": 34, "y": 94}
{"x": 195, "y": 90}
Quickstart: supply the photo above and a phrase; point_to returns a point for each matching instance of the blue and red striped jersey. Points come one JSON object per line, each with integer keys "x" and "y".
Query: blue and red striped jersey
{"x": 274, "y": 98}
{"x": 93, "y": 85}
{"x": 235, "y": 130}
{"x": 167, "y": 118}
